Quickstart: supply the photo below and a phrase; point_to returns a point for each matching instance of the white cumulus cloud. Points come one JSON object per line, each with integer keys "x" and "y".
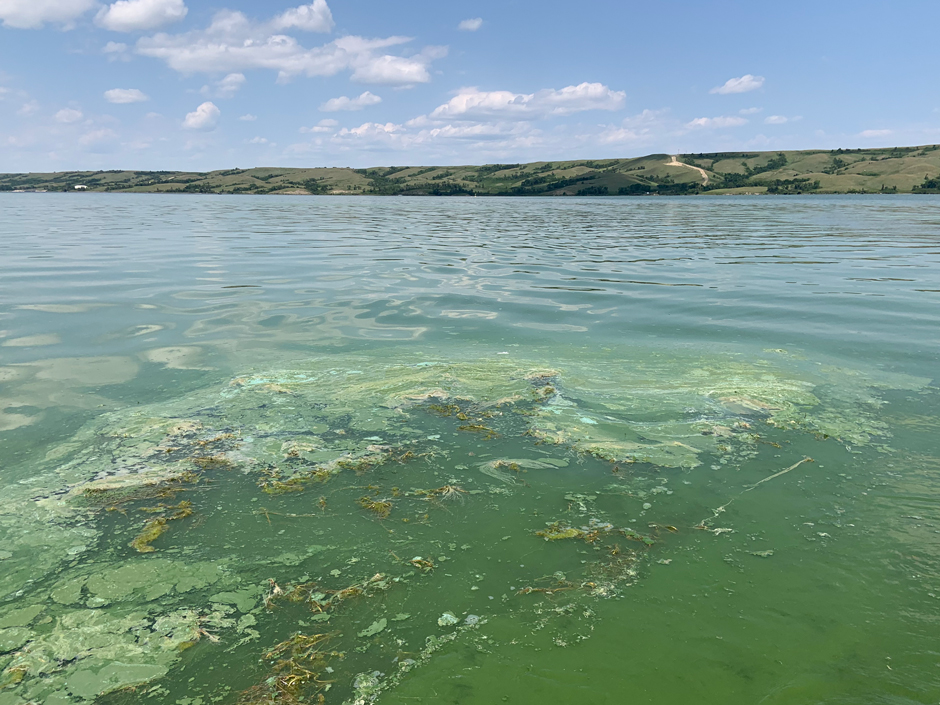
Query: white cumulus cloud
{"x": 370, "y": 130}
{"x": 140, "y": 15}
{"x": 739, "y": 85}
{"x": 226, "y": 88}
{"x": 116, "y": 51}
{"x": 322, "y": 126}
{"x": 205, "y": 117}
{"x": 471, "y": 103}
{"x": 315, "y": 17}
{"x": 248, "y": 118}
{"x": 68, "y": 115}
{"x": 396, "y": 70}
{"x": 716, "y": 122}
{"x": 344, "y": 103}
{"x": 867, "y": 134}
{"x": 471, "y": 25}
{"x": 33, "y": 14}
{"x": 233, "y": 43}
{"x": 125, "y": 95}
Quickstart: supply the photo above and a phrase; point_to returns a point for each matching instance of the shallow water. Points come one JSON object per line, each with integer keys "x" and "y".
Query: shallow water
{"x": 617, "y": 374}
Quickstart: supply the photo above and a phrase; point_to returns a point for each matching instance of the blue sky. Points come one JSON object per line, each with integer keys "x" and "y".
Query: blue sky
{"x": 198, "y": 85}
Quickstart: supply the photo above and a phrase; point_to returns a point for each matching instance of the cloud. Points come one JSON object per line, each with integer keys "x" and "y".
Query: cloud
{"x": 68, "y": 115}
{"x": 478, "y": 137}
{"x": 475, "y": 131}
{"x": 233, "y": 43}
{"x": 470, "y": 102}
{"x": 140, "y": 15}
{"x": 261, "y": 140}
{"x": 248, "y": 118}
{"x": 392, "y": 70}
{"x": 471, "y": 25}
{"x": 29, "y": 108}
{"x": 739, "y": 85}
{"x": 322, "y": 126}
{"x": 343, "y": 103}
{"x": 867, "y": 134}
{"x": 226, "y": 88}
{"x": 636, "y": 128}
{"x": 121, "y": 96}
{"x": 315, "y": 17}
{"x": 205, "y": 117}
{"x": 371, "y": 129}
{"x": 716, "y": 122}
{"x": 750, "y": 111}
{"x": 33, "y": 14}
{"x": 116, "y": 51}
{"x": 781, "y": 119}
{"x": 97, "y": 138}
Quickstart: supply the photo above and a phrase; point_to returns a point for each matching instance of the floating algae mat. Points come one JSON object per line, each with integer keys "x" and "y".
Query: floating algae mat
{"x": 322, "y": 533}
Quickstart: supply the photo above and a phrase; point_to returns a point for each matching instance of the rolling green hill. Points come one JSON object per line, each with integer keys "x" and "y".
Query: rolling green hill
{"x": 889, "y": 170}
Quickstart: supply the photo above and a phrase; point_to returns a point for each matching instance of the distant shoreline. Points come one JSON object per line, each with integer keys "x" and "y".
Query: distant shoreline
{"x": 896, "y": 170}
{"x": 607, "y": 197}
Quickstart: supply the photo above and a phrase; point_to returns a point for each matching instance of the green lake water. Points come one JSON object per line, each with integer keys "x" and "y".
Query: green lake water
{"x": 356, "y": 450}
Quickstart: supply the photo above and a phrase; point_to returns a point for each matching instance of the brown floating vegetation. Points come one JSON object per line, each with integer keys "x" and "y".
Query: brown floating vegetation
{"x": 111, "y": 497}
{"x": 271, "y": 480}
{"x": 447, "y": 492}
{"x": 212, "y": 462}
{"x": 380, "y": 507}
{"x": 444, "y": 409}
{"x": 322, "y": 600}
{"x": 296, "y": 666}
{"x": 507, "y": 465}
{"x": 558, "y": 531}
{"x": 425, "y": 565}
{"x": 157, "y": 526}
{"x": 488, "y": 433}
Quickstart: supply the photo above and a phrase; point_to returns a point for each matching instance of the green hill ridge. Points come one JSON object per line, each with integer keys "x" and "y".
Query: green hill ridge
{"x": 884, "y": 170}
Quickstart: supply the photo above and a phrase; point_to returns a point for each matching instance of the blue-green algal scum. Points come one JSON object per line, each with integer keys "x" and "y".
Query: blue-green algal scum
{"x": 365, "y": 450}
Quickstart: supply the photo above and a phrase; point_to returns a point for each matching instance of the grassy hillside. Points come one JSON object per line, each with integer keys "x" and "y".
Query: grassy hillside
{"x": 894, "y": 170}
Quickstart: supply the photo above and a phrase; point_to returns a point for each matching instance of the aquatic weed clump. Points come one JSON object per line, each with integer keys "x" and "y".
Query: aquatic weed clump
{"x": 296, "y": 667}
{"x": 446, "y": 493}
{"x": 157, "y": 526}
{"x": 380, "y": 507}
{"x": 591, "y": 533}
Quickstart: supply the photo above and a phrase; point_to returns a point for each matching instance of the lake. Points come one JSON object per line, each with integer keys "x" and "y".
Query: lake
{"x": 478, "y": 450}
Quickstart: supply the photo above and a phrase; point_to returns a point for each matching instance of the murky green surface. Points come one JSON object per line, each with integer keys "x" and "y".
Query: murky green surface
{"x": 469, "y": 450}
